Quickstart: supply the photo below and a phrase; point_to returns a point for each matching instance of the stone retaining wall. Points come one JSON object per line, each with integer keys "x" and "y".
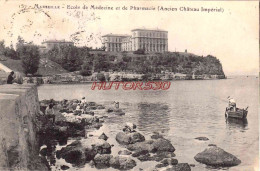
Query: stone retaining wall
{"x": 19, "y": 107}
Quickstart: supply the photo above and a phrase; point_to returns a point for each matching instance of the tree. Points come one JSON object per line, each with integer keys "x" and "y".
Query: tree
{"x": 2, "y": 46}
{"x": 86, "y": 69}
{"x": 10, "y": 52}
{"x": 30, "y": 57}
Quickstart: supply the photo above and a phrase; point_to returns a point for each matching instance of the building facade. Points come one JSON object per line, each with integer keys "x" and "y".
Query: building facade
{"x": 113, "y": 42}
{"x": 150, "y": 40}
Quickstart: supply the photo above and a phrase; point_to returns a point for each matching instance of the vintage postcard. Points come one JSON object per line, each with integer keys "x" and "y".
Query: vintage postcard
{"x": 129, "y": 85}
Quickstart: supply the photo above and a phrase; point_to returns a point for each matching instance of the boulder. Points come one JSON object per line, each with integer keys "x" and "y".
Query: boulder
{"x": 122, "y": 162}
{"x": 101, "y": 147}
{"x": 73, "y": 153}
{"x": 102, "y": 160}
{"x": 64, "y": 167}
{"x": 130, "y": 138}
{"x": 146, "y": 157}
{"x": 159, "y": 156}
{"x": 180, "y": 167}
{"x": 156, "y": 135}
{"x": 212, "y": 145}
{"x": 160, "y": 165}
{"x": 140, "y": 146}
{"x": 139, "y": 153}
{"x": 169, "y": 161}
{"x": 162, "y": 144}
{"x": 215, "y": 156}
{"x": 202, "y": 138}
{"x": 103, "y": 136}
{"x": 110, "y": 110}
{"x": 125, "y": 152}
{"x": 100, "y": 107}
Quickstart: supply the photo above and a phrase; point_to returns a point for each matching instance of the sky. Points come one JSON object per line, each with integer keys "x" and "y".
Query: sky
{"x": 231, "y": 35}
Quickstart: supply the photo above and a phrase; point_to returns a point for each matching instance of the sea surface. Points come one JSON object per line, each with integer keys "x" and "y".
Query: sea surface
{"x": 188, "y": 109}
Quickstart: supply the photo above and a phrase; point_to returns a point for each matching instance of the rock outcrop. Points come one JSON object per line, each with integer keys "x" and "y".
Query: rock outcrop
{"x": 215, "y": 156}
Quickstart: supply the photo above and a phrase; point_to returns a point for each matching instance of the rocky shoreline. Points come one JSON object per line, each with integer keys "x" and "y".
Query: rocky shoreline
{"x": 78, "y": 79}
{"x": 78, "y": 147}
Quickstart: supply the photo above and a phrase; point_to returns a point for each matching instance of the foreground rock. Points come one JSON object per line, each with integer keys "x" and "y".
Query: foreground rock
{"x": 158, "y": 145}
{"x": 102, "y": 161}
{"x": 180, "y": 167}
{"x": 215, "y": 156}
{"x": 79, "y": 152}
{"x": 122, "y": 162}
{"x": 129, "y": 138}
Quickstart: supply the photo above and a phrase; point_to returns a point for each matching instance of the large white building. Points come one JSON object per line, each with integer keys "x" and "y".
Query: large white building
{"x": 151, "y": 40}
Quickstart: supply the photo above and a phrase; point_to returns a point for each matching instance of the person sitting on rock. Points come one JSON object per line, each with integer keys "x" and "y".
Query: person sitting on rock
{"x": 79, "y": 109}
{"x": 49, "y": 112}
{"x": 10, "y": 78}
{"x": 129, "y": 127}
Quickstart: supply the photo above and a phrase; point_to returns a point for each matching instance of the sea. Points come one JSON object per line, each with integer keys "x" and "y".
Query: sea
{"x": 188, "y": 109}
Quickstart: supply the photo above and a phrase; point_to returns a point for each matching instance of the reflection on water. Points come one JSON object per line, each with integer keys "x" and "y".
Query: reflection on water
{"x": 234, "y": 123}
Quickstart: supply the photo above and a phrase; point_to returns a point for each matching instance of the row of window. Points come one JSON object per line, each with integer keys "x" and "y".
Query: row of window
{"x": 152, "y": 40}
{"x": 150, "y": 34}
{"x": 114, "y": 39}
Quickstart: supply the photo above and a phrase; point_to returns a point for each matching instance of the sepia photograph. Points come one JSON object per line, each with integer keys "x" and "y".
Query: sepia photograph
{"x": 129, "y": 85}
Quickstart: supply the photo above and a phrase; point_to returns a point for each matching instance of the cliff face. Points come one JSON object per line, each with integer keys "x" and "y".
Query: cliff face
{"x": 19, "y": 107}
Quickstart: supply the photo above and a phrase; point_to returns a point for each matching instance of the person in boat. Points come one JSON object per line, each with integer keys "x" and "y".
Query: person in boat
{"x": 232, "y": 104}
{"x": 49, "y": 112}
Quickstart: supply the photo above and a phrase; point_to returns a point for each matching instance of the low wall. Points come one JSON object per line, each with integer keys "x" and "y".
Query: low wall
{"x": 19, "y": 107}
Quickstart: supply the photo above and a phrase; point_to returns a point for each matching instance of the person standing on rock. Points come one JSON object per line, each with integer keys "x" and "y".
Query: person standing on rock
{"x": 83, "y": 104}
{"x": 10, "y": 78}
{"x": 116, "y": 105}
{"x": 49, "y": 112}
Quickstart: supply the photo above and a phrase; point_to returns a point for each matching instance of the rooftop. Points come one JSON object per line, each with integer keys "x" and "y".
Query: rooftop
{"x": 145, "y": 29}
{"x": 116, "y": 35}
{"x": 57, "y": 41}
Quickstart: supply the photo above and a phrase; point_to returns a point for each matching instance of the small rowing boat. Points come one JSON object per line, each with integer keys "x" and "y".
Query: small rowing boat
{"x": 239, "y": 113}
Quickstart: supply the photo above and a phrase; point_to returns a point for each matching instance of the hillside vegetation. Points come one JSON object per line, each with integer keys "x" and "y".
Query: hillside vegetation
{"x": 73, "y": 59}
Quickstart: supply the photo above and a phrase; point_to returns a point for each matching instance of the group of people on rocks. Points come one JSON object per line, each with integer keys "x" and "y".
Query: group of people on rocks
{"x": 82, "y": 107}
